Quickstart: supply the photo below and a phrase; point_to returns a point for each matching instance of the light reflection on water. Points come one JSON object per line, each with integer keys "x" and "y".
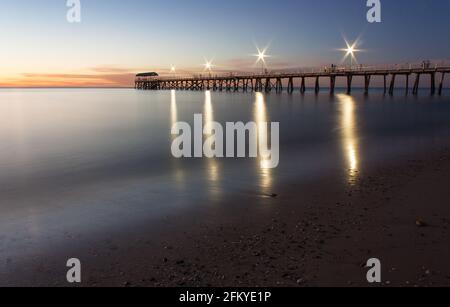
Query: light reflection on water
{"x": 60, "y": 141}
{"x": 349, "y": 135}
{"x": 213, "y": 170}
{"x": 173, "y": 108}
{"x": 179, "y": 174}
{"x": 261, "y": 119}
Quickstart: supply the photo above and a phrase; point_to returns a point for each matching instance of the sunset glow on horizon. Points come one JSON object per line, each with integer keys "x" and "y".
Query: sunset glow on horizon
{"x": 113, "y": 42}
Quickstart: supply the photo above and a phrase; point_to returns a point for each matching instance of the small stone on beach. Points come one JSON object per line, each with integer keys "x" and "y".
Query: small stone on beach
{"x": 420, "y": 223}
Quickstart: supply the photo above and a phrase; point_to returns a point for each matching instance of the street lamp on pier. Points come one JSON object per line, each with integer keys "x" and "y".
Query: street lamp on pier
{"x": 350, "y": 51}
{"x": 261, "y": 58}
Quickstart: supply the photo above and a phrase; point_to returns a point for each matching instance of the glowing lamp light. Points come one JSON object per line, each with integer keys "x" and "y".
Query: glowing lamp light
{"x": 208, "y": 65}
{"x": 350, "y": 51}
{"x": 261, "y": 57}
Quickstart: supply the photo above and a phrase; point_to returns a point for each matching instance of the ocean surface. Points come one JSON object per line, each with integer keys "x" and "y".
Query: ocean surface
{"x": 87, "y": 160}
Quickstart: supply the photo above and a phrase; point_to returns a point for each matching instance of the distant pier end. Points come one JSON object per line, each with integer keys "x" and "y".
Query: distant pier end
{"x": 274, "y": 81}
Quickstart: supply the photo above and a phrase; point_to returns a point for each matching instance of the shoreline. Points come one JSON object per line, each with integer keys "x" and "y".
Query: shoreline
{"x": 318, "y": 234}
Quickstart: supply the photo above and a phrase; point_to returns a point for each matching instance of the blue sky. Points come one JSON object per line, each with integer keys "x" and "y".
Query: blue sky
{"x": 117, "y": 38}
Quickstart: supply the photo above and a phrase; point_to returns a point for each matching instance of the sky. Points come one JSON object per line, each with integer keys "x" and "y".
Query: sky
{"x": 117, "y": 39}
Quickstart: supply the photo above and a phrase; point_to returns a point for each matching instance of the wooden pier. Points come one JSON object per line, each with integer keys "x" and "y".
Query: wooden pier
{"x": 275, "y": 81}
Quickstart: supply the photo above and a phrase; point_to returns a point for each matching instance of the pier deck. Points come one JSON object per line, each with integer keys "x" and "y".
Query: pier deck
{"x": 276, "y": 80}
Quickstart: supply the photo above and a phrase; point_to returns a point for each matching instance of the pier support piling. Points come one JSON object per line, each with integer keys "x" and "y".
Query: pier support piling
{"x": 416, "y": 84}
{"x": 279, "y": 86}
{"x": 433, "y": 84}
{"x": 441, "y": 84}
{"x": 317, "y": 86}
{"x": 303, "y": 86}
{"x": 366, "y": 84}
{"x": 290, "y": 88}
{"x": 268, "y": 86}
{"x": 407, "y": 85}
{"x": 349, "y": 84}
{"x": 392, "y": 87}
{"x": 332, "y": 84}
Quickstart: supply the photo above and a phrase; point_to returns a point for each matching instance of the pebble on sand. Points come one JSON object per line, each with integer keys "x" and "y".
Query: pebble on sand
{"x": 420, "y": 223}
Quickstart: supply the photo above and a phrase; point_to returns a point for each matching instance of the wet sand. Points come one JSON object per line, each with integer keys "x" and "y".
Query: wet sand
{"x": 320, "y": 234}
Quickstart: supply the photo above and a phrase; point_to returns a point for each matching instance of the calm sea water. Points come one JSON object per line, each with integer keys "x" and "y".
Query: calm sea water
{"x": 96, "y": 158}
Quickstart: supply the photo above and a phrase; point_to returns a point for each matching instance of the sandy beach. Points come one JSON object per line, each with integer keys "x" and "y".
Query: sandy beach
{"x": 320, "y": 234}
